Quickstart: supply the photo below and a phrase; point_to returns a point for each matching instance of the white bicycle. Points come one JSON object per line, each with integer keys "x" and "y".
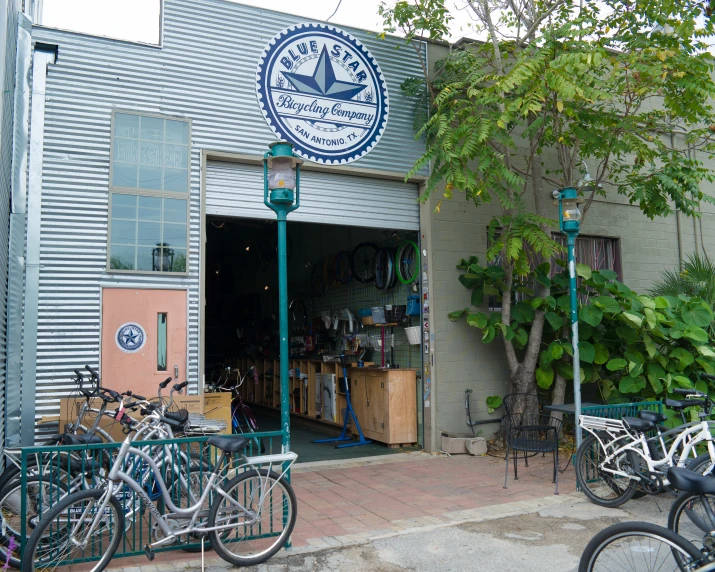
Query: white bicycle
{"x": 618, "y": 458}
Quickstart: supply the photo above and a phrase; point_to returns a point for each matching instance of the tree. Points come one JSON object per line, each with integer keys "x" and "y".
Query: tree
{"x": 604, "y": 84}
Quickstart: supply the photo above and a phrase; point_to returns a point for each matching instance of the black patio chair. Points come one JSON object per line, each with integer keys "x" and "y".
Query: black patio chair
{"x": 529, "y": 430}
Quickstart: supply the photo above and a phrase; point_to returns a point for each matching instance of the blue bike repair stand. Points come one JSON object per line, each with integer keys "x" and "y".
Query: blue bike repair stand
{"x": 349, "y": 412}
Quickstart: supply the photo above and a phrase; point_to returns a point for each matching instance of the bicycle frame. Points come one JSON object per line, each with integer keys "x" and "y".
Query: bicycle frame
{"x": 616, "y": 429}
{"x": 118, "y": 478}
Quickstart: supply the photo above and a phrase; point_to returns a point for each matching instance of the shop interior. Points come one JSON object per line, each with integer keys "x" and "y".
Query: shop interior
{"x": 352, "y": 290}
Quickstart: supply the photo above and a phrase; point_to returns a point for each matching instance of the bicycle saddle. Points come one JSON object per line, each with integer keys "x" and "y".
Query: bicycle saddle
{"x": 653, "y": 416}
{"x": 232, "y": 444}
{"x": 686, "y": 480}
{"x": 84, "y": 439}
{"x": 679, "y": 405}
{"x": 180, "y": 416}
{"x": 640, "y": 425}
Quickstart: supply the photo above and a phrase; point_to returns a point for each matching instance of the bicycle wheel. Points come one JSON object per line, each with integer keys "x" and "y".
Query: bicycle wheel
{"x": 393, "y": 277}
{"x": 362, "y": 262}
{"x": 317, "y": 282}
{"x": 384, "y": 269}
{"x": 407, "y": 262}
{"x": 41, "y": 494}
{"x": 691, "y": 516}
{"x": 263, "y": 522}
{"x": 343, "y": 265}
{"x": 637, "y": 546}
{"x": 329, "y": 272}
{"x": 602, "y": 488}
{"x": 63, "y": 533}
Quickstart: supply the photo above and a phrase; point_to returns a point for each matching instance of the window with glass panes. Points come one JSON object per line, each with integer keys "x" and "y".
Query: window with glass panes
{"x": 149, "y": 188}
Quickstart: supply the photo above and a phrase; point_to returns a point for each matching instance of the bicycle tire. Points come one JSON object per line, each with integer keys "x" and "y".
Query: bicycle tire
{"x": 393, "y": 276}
{"x": 587, "y": 465}
{"x": 383, "y": 269}
{"x": 13, "y": 557}
{"x": 402, "y": 266}
{"x": 281, "y": 539}
{"x": 689, "y": 518}
{"x": 317, "y": 283}
{"x": 44, "y": 530}
{"x": 329, "y": 272}
{"x": 645, "y": 530}
{"x": 362, "y": 262}
{"x": 343, "y": 267}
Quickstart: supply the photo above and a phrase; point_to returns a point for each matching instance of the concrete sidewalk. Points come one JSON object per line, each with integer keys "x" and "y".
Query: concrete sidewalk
{"x": 360, "y": 501}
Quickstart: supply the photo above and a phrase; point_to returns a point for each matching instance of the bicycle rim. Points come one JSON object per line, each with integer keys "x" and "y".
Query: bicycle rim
{"x": 638, "y": 547}
{"x": 692, "y": 519}
{"x": 64, "y": 533}
{"x": 383, "y": 269}
{"x": 363, "y": 262}
{"x": 263, "y": 528}
{"x": 599, "y": 486}
{"x": 407, "y": 262}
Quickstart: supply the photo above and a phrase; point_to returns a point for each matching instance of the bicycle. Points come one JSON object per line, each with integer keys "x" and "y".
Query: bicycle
{"x": 611, "y": 472}
{"x": 91, "y": 520}
{"x": 642, "y": 546}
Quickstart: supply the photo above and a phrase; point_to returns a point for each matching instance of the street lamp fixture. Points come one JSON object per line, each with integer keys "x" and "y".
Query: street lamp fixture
{"x": 570, "y": 224}
{"x": 162, "y": 258}
{"x": 281, "y": 194}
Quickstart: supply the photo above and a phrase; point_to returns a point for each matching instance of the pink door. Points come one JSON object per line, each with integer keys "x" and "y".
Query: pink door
{"x": 143, "y": 338}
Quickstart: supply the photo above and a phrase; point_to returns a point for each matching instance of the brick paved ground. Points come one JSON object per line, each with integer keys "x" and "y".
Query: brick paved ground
{"x": 362, "y": 499}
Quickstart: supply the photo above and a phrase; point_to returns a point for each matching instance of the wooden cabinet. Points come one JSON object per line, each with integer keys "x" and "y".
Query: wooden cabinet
{"x": 385, "y": 403}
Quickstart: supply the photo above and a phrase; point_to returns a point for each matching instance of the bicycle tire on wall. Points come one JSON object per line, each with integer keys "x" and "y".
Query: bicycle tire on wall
{"x": 407, "y": 248}
{"x": 384, "y": 268}
{"x": 362, "y": 262}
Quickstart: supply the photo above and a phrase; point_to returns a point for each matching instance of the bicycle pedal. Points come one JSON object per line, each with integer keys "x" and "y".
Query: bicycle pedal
{"x": 149, "y": 552}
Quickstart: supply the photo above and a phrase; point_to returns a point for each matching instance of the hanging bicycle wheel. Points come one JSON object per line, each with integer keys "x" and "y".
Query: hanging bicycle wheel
{"x": 363, "y": 262}
{"x": 317, "y": 282}
{"x": 384, "y": 268}
{"x": 343, "y": 271}
{"x": 393, "y": 278}
{"x": 407, "y": 262}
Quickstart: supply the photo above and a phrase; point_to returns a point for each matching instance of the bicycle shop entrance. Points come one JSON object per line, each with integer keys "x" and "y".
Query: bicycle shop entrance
{"x": 354, "y": 288}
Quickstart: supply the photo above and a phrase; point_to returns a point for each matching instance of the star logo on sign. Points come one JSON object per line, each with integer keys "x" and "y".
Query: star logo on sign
{"x": 131, "y": 337}
{"x": 323, "y": 81}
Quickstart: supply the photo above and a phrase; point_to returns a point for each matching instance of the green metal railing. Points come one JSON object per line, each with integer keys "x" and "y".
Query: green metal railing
{"x": 619, "y": 410}
{"x": 49, "y": 473}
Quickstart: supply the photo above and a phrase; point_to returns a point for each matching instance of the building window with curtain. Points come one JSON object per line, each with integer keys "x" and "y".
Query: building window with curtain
{"x": 149, "y": 194}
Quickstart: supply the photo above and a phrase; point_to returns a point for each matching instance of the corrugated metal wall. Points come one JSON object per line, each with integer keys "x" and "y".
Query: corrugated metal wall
{"x": 8, "y": 24}
{"x": 206, "y": 71}
{"x": 234, "y": 189}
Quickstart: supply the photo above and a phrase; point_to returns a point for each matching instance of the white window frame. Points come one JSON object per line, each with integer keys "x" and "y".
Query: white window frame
{"x": 148, "y": 193}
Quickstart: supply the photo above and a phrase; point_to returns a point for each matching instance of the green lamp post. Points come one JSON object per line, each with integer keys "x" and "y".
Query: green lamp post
{"x": 281, "y": 177}
{"x": 570, "y": 224}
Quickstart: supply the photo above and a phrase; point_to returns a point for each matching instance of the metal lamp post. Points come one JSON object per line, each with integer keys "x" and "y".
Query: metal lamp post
{"x": 570, "y": 225}
{"x": 281, "y": 177}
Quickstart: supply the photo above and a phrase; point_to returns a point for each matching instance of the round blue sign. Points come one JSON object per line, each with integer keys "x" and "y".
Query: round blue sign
{"x": 130, "y": 337}
{"x": 320, "y": 89}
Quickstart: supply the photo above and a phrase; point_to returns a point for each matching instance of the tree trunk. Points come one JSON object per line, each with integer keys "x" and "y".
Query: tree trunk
{"x": 557, "y": 397}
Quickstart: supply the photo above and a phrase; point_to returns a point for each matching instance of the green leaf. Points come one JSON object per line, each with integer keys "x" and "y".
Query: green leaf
{"x": 629, "y": 335}
{"x": 647, "y": 302}
{"x": 454, "y": 316}
{"x": 601, "y": 354}
{"x": 661, "y": 303}
{"x": 586, "y": 351}
{"x": 649, "y": 345}
{"x": 697, "y": 313}
{"x": 655, "y": 375}
{"x": 544, "y": 377}
{"x": 650, "y": 318}
{"x": 696, "y": 334}
{"x": 470, "y": 280}
{"x": 556, "y": 350}
{"x": 609, "y": 274}
{"x": 521, "y": 338}
{"x": 564, "y": 302}
{"x": 477, "y": 320}
{"x": 555, "y": 321}
{"x": 477, "y": 296}
{"x": 583, "y": 271}
{"x": 630, "y": 384}
{"x": 683, "y": 357}
{"x": 616, "y": 364}
{"x": 495, "y": 273}
{"x": 683, "y": 381}
{"x": 590, "y": 314}
{"x": 607, "y": 304}
{"x": 489, "y": 334}
{"x": 707, "y": 366}
{"x": 706, "y": 351}
{"x": 493, "y": 403}
{"x": 632, "y": 319}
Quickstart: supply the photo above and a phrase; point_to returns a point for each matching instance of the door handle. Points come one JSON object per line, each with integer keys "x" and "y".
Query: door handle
{"x": 176, "y": 372}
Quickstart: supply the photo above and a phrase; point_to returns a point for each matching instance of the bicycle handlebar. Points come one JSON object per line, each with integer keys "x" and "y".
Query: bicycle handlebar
{"x": 683, "y": 391}
{"x": 179, "y": 386}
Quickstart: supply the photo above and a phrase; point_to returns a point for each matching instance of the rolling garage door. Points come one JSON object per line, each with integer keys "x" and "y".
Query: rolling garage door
{"x": 236, "y": 190}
